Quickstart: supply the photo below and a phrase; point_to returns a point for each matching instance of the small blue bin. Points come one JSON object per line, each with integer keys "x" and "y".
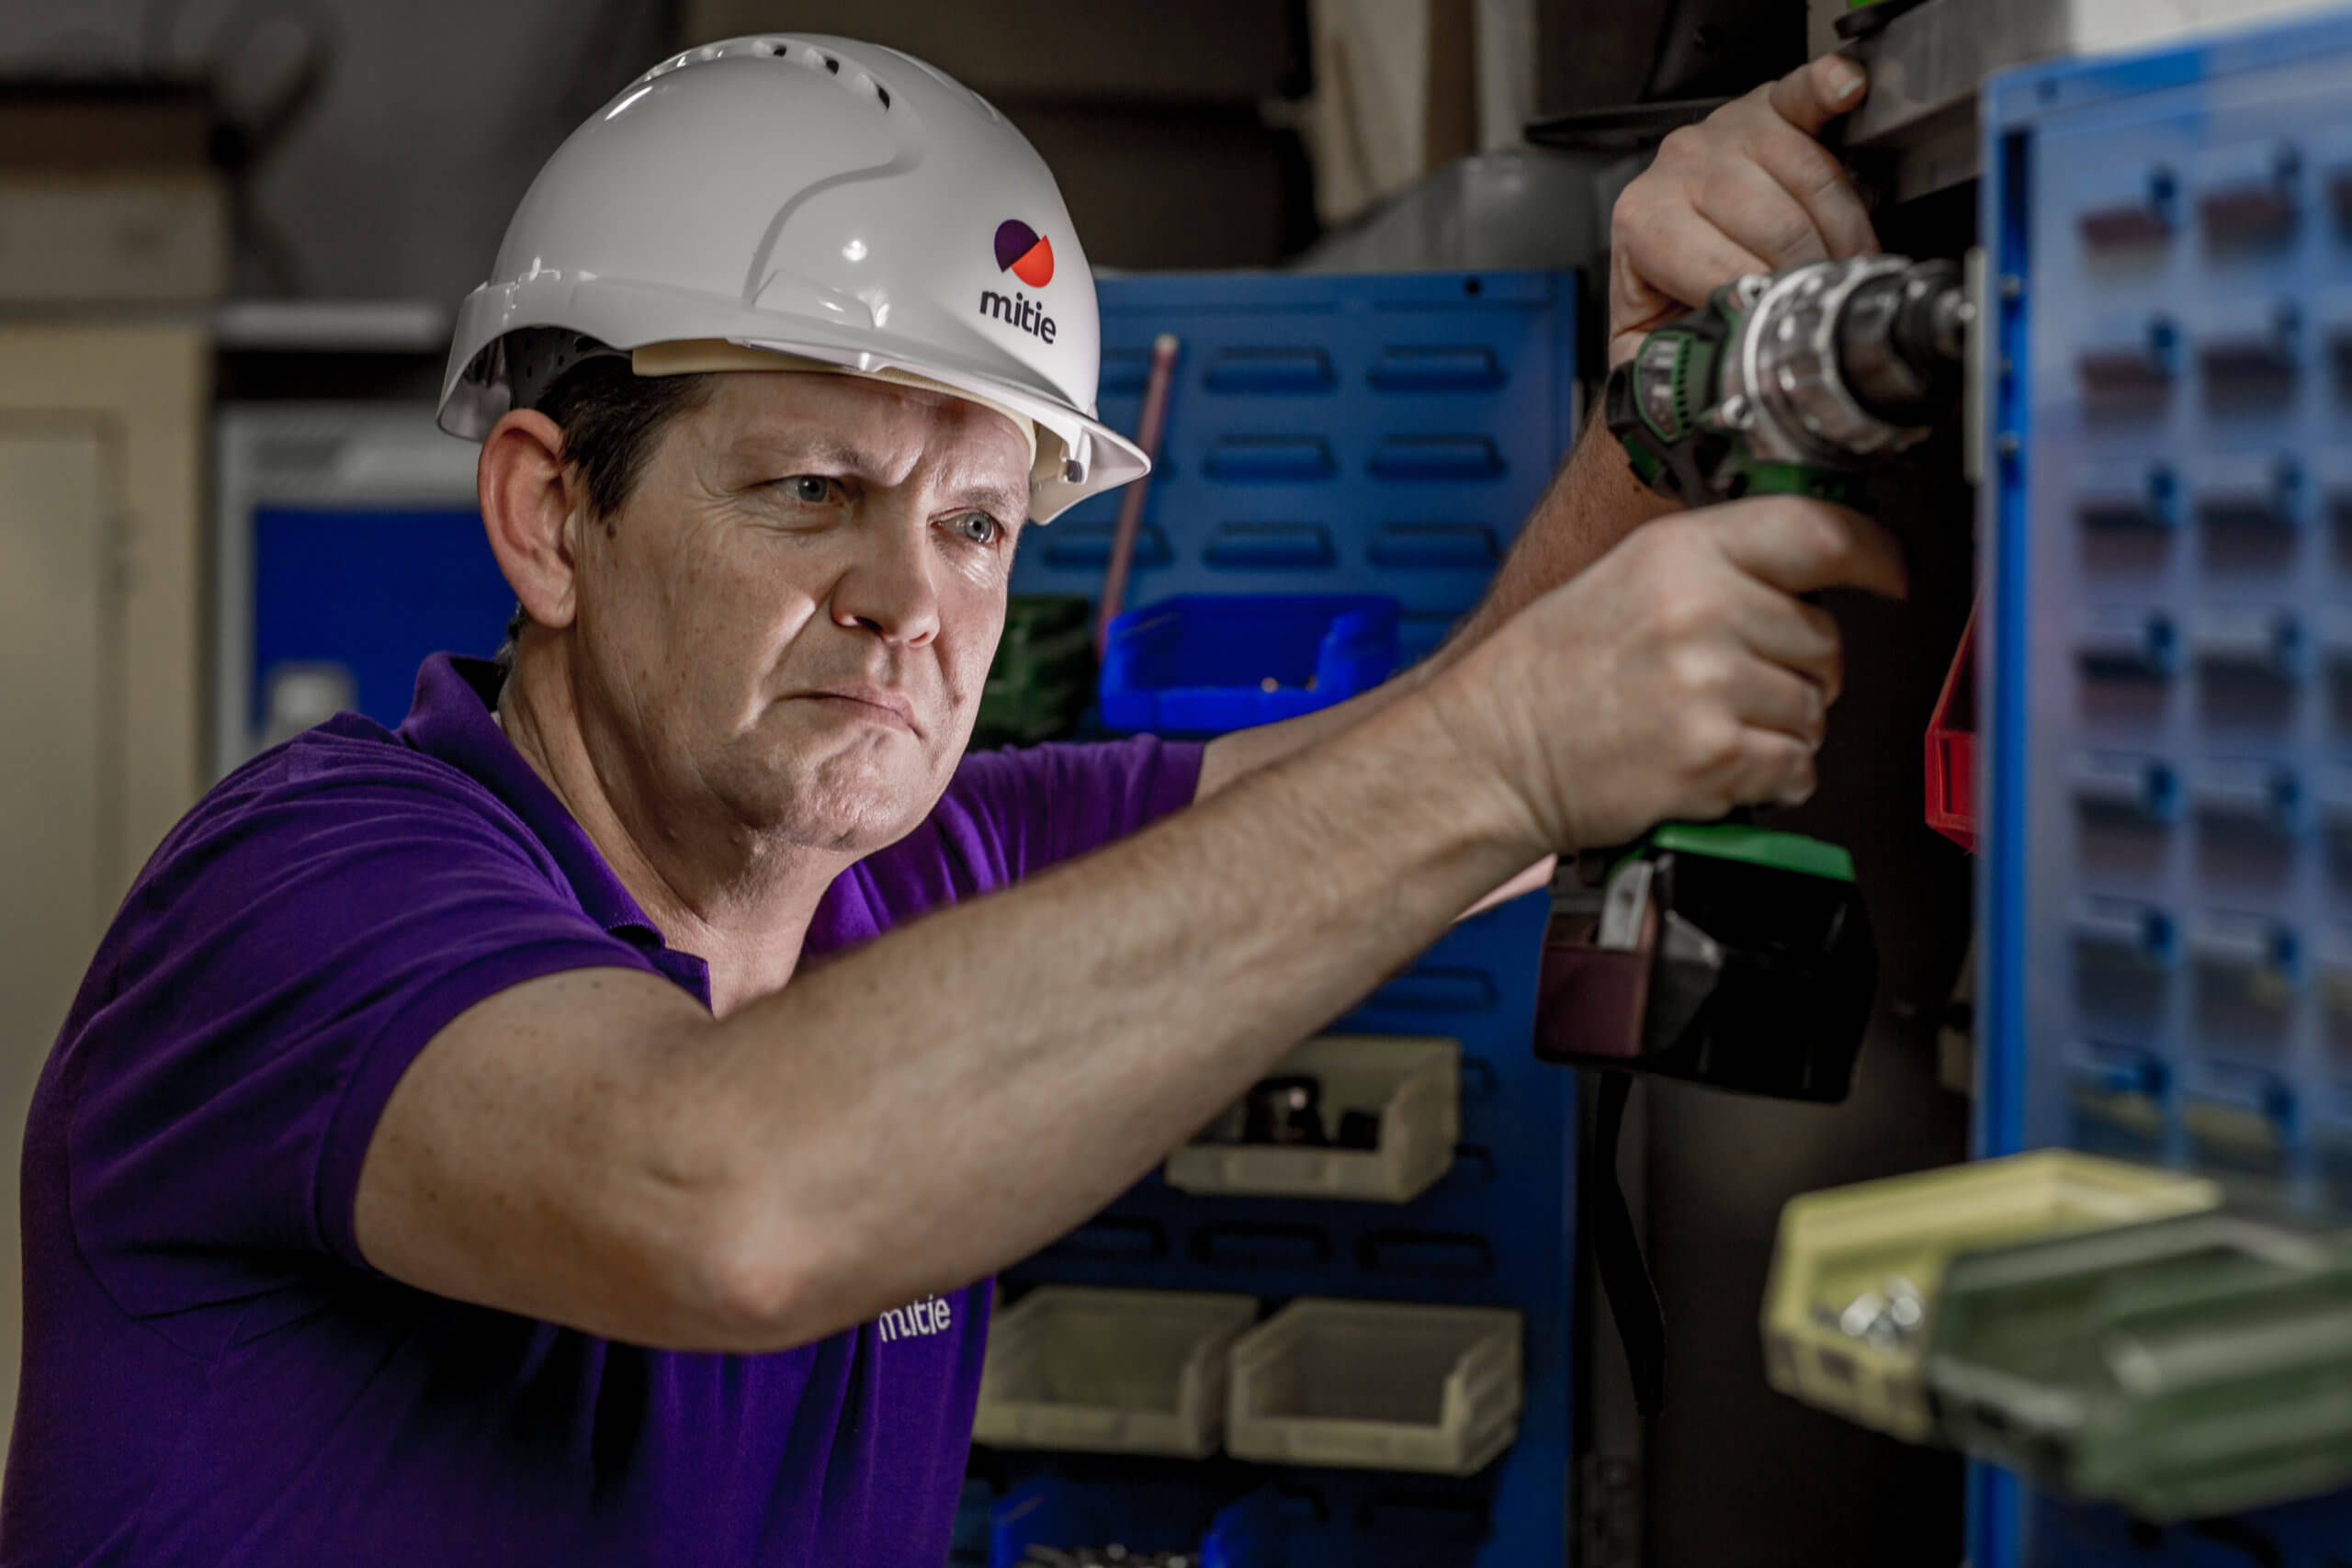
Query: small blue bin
{"x": 1205, "y": 663}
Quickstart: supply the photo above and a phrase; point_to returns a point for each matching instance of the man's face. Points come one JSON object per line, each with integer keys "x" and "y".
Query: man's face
{"x": 792, "y": 616}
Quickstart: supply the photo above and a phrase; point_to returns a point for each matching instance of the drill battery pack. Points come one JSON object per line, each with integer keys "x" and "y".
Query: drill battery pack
{"x": 1723, "y": 954}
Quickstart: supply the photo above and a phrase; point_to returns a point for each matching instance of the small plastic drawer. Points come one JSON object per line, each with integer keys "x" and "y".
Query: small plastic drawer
{"x": 1850, "y": 1300}
{"x": 1413, "y": 1082}
{"x": 2198, "y": 1365}
{"x": 1205, "y": 663}
{"x": 1115, "y": 1372}
{"x": 1376, "y": 1386}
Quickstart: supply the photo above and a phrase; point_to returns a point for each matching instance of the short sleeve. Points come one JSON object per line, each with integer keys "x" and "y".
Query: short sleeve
{"x": 284, "y": 959}
{"x": 1053, "y": 803}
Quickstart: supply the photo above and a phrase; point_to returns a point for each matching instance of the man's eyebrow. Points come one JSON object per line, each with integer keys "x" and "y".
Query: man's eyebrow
{"x": 772, "y": 450}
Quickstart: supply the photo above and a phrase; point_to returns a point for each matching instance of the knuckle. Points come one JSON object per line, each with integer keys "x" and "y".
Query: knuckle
{"x": 1683, "y": 144}
{"x": 1635, "y": 215}
{"x": 1697, "y": 669}
{"x": 1708, "y": 740}
{"x": 1816, "y": 529}
{"x": 1678, "y": 611}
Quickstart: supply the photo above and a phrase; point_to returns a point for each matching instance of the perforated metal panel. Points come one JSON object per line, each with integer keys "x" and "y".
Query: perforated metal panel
{"x": 1378, "y": 433}
{"x": 2168, "y": 887}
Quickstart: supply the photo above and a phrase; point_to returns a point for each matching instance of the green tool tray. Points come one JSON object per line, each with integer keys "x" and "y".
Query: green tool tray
{"x": 2183, "y": 1368}
{"x": 1043, "y": 676}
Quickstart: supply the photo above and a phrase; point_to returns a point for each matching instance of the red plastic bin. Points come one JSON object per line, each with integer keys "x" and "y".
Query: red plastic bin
{"x": 1951, "y": 748}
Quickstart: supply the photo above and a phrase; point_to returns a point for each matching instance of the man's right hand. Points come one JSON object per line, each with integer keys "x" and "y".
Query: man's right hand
{"x": 1679, "y": 677}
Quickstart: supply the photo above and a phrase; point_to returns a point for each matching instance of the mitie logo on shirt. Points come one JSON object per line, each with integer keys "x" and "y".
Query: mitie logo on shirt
{"x": 1029, "y": 256}
{"x": 933, "y": 1315}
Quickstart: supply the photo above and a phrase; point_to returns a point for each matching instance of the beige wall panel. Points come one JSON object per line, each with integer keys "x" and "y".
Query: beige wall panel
{"x": 113, "y": 239}
{"x": 55, "y": 710}
{"x": 101, "y": 596}
{"x": 154, "y": 383}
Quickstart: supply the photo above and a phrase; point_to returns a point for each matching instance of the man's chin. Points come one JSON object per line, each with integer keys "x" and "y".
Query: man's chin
{"x": 847, "y": 810}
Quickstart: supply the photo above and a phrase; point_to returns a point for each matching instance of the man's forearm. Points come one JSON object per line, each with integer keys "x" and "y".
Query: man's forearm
{"x": 593, "y": 1149}
{"x": 1594, "y": 500}
{"x": 957, "y": 1095}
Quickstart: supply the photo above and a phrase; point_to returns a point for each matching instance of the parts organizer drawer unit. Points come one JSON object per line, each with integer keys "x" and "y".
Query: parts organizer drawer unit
{"x": 2167, "y": 885}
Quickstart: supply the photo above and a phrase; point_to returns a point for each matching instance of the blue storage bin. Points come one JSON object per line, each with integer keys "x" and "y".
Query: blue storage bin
{"x": 1066, "y": 1514}
{"x": 1205, "y": 663}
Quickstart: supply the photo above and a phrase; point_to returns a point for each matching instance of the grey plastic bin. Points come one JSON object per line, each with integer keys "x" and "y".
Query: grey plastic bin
{"x": 1118, "y": 1371}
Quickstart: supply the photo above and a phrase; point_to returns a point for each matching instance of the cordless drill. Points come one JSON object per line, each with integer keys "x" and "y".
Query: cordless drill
{"x": 1728, "y": 953}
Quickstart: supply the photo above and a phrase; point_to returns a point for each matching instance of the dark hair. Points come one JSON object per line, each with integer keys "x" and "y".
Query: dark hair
{"x": 612, "y": 419}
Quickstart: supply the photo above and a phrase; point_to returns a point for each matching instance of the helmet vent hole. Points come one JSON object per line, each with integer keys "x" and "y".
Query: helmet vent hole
{"x": 883, "y": 93}
{"x": 831, "y": 65}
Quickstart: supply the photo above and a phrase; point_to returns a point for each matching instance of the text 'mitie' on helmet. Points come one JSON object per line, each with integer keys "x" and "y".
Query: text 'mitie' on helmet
{"x": 842, "y": 205}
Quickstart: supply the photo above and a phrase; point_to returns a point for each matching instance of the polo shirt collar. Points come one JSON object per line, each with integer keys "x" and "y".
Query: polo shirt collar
{"x": 450, "y": 719}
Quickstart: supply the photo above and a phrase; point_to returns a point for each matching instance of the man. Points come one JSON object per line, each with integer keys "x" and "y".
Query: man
{"x": 496, "y": 1140}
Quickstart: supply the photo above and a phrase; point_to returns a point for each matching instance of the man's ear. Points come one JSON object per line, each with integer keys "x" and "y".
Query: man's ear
{"x": 528, "y": 501}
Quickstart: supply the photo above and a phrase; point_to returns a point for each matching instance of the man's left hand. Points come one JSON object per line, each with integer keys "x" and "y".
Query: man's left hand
{"x": 1748, "y": 189}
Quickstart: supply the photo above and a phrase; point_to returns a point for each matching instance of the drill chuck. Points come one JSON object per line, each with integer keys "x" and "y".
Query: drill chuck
{"x": 1901, "y": 341}
{"x": 1795, "y": 380}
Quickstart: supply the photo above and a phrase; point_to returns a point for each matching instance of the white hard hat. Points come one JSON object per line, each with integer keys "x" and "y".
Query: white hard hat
{"x": 842, "y": 204}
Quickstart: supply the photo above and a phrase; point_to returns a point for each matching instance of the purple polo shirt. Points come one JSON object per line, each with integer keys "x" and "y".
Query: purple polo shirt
{"x": 214, "y": 1375}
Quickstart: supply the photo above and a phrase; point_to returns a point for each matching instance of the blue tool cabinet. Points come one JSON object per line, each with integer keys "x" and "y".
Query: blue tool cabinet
{"x": 2166, "y": 892}
{"x": 1331, "y": 435}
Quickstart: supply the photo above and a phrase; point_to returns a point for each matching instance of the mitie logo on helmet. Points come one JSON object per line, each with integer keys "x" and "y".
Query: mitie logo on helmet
{"x": 1029, "y": 256}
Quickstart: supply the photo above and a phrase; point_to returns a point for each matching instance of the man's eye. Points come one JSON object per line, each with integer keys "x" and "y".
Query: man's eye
{"x": 977, "y": 527}
{"x": 812, "y": 490}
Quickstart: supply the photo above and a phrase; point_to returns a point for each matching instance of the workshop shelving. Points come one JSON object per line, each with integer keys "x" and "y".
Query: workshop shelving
{"x": 1375, "y": 434}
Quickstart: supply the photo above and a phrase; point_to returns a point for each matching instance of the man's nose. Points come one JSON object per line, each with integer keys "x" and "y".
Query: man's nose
{"x": 889, "y": 587}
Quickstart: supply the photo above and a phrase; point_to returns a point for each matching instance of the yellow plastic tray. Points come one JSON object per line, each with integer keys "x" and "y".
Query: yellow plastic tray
{"x": 1854, "y": 1274}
